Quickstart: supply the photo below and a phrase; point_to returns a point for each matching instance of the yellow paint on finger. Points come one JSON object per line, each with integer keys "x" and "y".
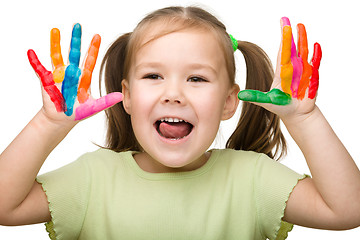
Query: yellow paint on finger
{"x": 56, "y": 57}
{"x": 286, "y": 69}
{"x": 59, "y": 74}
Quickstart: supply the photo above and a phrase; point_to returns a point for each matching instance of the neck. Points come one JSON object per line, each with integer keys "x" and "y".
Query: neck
{"x": 148, "y": 164}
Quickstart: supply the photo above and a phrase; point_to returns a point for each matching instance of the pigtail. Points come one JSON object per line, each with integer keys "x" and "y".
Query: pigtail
{"x": 119, "y": 136}
{"x": 258, "y": 129}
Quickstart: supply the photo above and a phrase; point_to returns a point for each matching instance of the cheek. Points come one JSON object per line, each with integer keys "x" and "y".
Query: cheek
{"x": 141, "y": 97}
{"x": 211, "y": 104}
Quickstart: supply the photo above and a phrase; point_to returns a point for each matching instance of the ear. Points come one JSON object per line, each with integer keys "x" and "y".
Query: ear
{"x": 231, "y": 102}
{"x": 126, "y": 93}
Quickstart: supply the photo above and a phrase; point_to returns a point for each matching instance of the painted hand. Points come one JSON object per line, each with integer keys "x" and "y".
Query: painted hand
{"x": 294, "y": 75}
{"x": 73, "y": 82}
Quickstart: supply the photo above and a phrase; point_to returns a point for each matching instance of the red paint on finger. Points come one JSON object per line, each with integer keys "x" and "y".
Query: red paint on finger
{"x": 47, "y": 81}
{"x": 56, "y": 97}
{"x": 315, "y": 62}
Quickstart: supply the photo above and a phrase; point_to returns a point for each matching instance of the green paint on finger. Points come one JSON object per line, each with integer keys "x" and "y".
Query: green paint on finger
{"x": 275, "y": 96}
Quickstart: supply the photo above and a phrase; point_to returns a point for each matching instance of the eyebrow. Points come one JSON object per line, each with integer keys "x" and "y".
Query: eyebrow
{"x": 193, "y": 66}
{"x": 148, "y": 64}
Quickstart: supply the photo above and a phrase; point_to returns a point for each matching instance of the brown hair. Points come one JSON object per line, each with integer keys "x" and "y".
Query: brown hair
{"x": 258, "y": 129}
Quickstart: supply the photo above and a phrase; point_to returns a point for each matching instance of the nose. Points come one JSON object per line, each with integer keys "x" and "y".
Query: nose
{"x": 173, "y": 92}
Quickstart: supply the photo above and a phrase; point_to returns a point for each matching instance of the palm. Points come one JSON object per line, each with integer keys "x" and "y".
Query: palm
{"x": 296, "y": 81}
{"x": 66, "y": 90}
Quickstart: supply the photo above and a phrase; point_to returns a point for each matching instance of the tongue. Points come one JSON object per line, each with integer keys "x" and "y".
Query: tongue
{"x": 174, "y": 130}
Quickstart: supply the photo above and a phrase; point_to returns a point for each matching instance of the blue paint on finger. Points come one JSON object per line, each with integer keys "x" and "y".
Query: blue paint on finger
{"x": 70, "y": 86}
{"x": 74, "y": 55}
{"x": 72, "y": 72}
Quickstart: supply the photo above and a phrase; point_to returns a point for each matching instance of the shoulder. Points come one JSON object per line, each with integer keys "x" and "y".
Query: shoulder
{"x": 102, "y": 155}
{"x": 246, "y": 157}
{"x": 232, "y": 153}
{"x": 256, "y": 164}
{"x": 238, "y": 164}
{"x": 104, "y": 160}
{"x": 234, "y": 157}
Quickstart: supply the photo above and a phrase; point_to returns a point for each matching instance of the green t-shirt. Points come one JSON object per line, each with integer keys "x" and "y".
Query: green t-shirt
{"x": 106, "y": 195}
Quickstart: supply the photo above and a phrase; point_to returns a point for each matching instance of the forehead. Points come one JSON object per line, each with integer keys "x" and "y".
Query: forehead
{"x": 194, "y": 47}
{"x": 150, "y": 31}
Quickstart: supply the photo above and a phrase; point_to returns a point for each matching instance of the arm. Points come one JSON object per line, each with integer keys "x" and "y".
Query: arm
{"x": 22, "y": 200}
{"x": 330, "y": 199}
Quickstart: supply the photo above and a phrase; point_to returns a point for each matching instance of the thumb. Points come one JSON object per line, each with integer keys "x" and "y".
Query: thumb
{"x": 275, "y": 96}
{"x": 91, "y": 106}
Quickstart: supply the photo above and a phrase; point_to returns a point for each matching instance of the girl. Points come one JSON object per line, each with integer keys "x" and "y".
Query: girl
{"x": 155, "y": 178}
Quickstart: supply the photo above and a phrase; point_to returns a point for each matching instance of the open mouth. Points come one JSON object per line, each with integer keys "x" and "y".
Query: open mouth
{"x": 173, "y": 128}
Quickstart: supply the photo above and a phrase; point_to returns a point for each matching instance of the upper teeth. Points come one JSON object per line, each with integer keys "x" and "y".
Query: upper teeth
{"x": 171, "y": 120}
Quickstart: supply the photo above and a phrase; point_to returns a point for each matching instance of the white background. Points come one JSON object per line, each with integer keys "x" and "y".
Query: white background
{"x": 27, "y": 24}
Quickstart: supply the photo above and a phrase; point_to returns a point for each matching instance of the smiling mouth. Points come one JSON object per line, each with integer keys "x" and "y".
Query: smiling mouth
{"x": 173, "y": 128}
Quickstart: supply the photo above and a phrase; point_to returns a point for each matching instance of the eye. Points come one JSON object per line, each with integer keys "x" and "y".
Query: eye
{"x": 197, "y": 79}
{"x": 153, "y": 76}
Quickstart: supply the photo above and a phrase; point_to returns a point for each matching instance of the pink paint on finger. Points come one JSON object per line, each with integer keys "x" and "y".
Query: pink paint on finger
{"x": 91, "y": 106}
{"x": 295, "y": 61}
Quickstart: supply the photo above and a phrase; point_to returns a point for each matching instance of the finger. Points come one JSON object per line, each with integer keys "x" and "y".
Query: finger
{"x": 69, "y": 87}
{"x": 91, "y": 107}
{"x": 47, "y": 81}
{"x": 302, "y": 42}
{"x": 44, "y": 75}
{"x": 295, "y": 61}
{"x": 72, "y": 72}
{"x": 279, "y": 59}
{"x": 286, "y": 69}
{"x": 315, "y": 62}
{"x": 74, "y": 55}
{"x": 275, "y": 96}
{"x": 83, "y": 93}
{"x": 303, "y": 54}
{"x": 56, "y": 57}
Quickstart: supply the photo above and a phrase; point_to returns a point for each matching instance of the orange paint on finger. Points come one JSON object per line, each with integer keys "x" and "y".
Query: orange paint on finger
{"x": 83, "y": 93}
{"x": 89, "y": 66}
{"x": 303, "y": 54}
{"x": 286, "y": 71}
{"x": 305, "y": 80}
{"x": 56, "y": 57}
{"x": 302, "y": 41}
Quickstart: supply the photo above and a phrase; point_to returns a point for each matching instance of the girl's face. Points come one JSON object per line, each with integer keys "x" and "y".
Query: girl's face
{"x": 177, "y": 93}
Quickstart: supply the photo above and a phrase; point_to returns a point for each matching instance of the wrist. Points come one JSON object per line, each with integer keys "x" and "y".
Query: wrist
{"x": 43, "y": 123}
{"x": 297, "y": 119}
{"x": 305, "y": 128}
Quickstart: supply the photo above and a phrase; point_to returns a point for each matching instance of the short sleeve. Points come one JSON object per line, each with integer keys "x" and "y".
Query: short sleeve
{"x": 274, "y": 183}
{"x": 67, "y": 191}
